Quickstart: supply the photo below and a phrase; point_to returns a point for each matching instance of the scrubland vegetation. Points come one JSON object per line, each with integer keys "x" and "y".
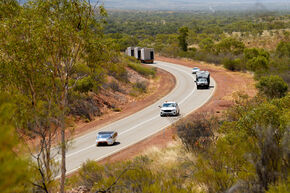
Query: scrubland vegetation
{"x": 245, "y": 150}
{"x": 245, "y": 41}
{"x": 56, "y": 57}
{"x": 55, "y": 66}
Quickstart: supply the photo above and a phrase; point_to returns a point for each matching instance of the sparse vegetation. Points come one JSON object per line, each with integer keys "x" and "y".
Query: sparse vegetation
{"x": 245, "y": 150}
{"x": 197, "y": 133}
{"x": 115, "y": 86}
{"x": 272, "y": 86}
{"x": 144, "y": 70}
{"x": 56, "y": 57}
{"x": 139, "y": 87}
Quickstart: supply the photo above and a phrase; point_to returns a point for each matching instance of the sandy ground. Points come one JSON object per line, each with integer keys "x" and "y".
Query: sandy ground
{"x": 162, "y": 87}
{"x": 227, "y": 83}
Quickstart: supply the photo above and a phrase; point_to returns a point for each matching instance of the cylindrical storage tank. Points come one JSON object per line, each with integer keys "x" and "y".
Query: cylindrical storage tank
{"x": 137, "y": 53}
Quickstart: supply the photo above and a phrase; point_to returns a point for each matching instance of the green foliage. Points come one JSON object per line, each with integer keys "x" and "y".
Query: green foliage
{"x": 127, "y": 176}
{"x": 49, "y": 51}
{"x": 206, "y": 44}
{"x": 123, "y": 40}
{"x": 230, "y": 45}
{"x": 259, "y": 63}
{"x": 183, "y": 33}
{"x": 283, "y": 49}
{"x": 257, "y": 59}
{"x": 272, "y": 86}
{"x": 250, "y": 152}
{"x": 251, "y": 53}
{"x": 281, "y": 187}
{"x": 143, "y": 70}
{"x": 84, "y": 85}
{"x": 233, "y": 65}
{"x": 8, "y": 8}
{"x": 164, "y": 22}
{"x": 14, "y": 169}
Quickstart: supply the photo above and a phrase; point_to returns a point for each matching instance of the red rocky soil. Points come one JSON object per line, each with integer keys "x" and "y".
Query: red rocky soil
{"x": 227, "y": 83}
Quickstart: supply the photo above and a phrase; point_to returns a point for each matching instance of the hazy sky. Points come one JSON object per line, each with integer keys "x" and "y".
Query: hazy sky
{"x": 197, "y": 4}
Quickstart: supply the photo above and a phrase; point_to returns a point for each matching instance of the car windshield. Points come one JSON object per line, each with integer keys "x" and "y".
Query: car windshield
{"x": 168, "y": 105}
{"x": 103, "y": 136}
{"x": 195, "y": 68}
{"x": 202, "y": 80}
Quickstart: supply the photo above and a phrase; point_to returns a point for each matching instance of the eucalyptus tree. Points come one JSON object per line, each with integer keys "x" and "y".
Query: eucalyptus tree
{"x": 47, "y": 49}
{"x": 183, "y": 33}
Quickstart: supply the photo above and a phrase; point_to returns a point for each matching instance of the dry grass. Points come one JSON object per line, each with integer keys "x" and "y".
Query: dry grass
{"x": 268, "y": 40}
{"x": 169, "y": 157}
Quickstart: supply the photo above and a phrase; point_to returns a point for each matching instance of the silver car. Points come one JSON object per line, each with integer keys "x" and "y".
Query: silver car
{"x": 169, "y": 108}
{"x": 106, "y": 137}
{"x": 195, "y": 69}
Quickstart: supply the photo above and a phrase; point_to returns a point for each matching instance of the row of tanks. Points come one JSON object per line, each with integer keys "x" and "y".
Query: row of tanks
{"x": 145, "y": 55}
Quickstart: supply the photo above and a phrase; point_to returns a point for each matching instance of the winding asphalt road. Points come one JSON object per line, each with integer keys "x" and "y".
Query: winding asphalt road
{"x": 144, "y": 123}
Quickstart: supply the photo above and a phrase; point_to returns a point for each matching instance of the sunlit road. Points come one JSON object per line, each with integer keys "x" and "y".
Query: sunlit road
{"x": 144, "y": 123}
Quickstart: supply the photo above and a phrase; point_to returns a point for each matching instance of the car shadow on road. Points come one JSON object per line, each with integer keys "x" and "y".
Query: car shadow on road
{"x": 204, "y": 88}
{"x": 116, "y": 143}
{"x": 105, "y": 145}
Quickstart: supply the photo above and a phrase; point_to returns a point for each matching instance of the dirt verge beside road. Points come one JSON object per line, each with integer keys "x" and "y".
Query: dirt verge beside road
{"x": 227, "y": 83}
{"x": 163, "y": 86}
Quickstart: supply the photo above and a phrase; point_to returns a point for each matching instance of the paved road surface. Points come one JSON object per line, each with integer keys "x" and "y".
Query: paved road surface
{"x": 144, "y": 123}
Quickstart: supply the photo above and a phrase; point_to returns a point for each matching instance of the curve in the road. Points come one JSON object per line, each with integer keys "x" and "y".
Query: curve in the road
{"x": 144, "y": 123}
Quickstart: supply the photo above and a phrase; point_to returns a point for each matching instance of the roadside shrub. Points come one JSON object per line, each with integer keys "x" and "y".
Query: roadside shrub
{"x": 115, "y": 86}
{"x": 206, "y": 44}
{"x": 257, "y": 59}
{"x": 230, "y": 45}
{"x": 283, "y": 49}
{"x": 84, "y": 85}
{"x": 126, "y": 177}
{"x": 143, "y": 70}
{"x": 272, "y": 86}
{"x": 281, "y": 187}
{"x": 84, "y": 106}
{"x": 141, "y": 86}
{"x": 233, "y": 65}
{"x": 197, "y": 133}
{"x": 259, "y": 63}
{"x": 251, "y": 151}
{"x": 90, "y": 173}
{"x": 118, "y": 71}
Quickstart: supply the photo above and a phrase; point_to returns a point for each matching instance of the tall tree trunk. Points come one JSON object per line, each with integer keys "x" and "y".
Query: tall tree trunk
{"x": 63, "y": 166}
{"x": 63, "y": 137}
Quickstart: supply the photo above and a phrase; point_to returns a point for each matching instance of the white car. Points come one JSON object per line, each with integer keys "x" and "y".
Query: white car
{"x": 195, "y": 69}
{"x": 169, "y": 108}
{"x": 106, "y": 137}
